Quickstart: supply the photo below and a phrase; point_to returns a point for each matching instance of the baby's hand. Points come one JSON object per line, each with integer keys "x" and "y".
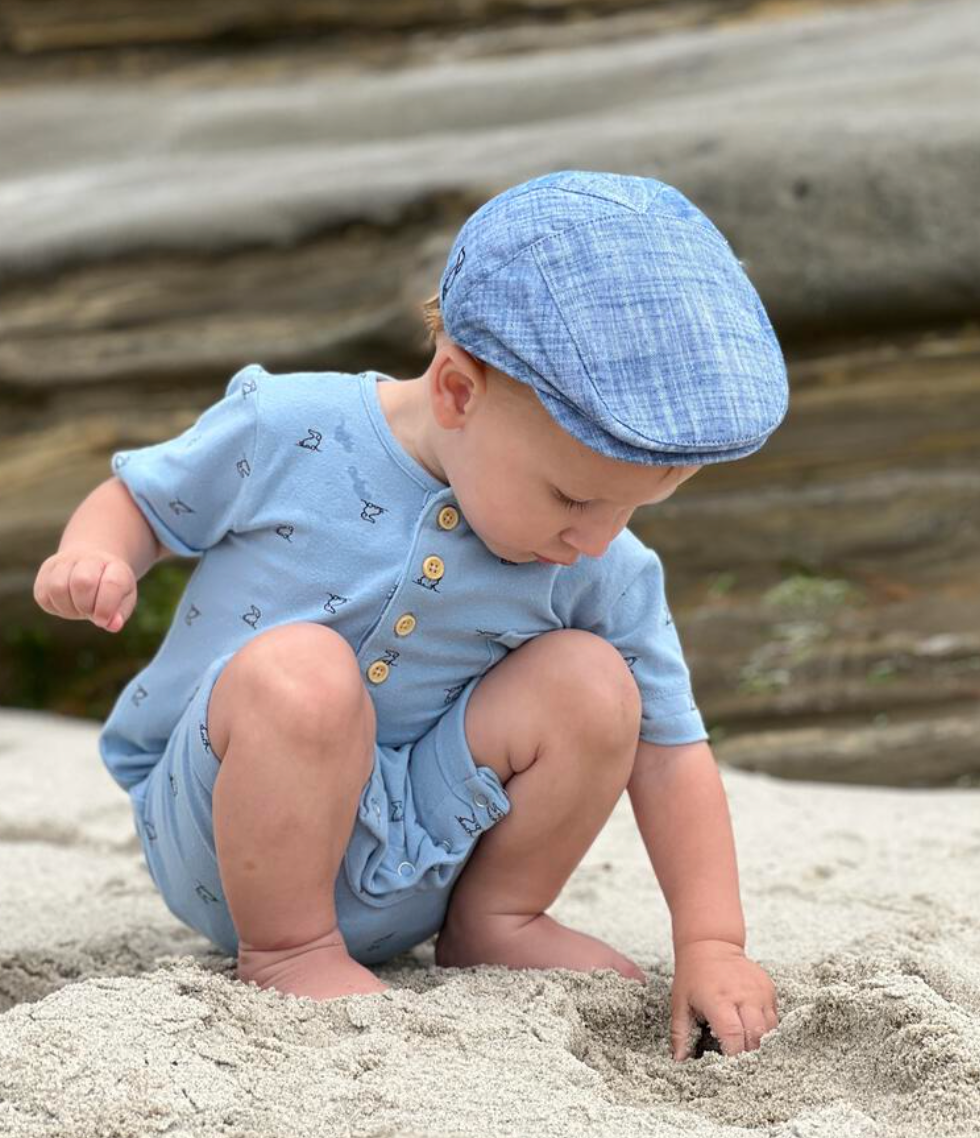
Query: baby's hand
{"x": 716, "y": 981}
{"x": 87, "y": 584}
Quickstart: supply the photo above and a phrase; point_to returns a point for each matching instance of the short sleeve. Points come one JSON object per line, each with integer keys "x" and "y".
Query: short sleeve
{"x": 639, "y": 624}
{"x": 192, "y": 488}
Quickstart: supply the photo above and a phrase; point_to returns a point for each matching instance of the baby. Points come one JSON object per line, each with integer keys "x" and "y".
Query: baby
{"x": 421, "y": 656}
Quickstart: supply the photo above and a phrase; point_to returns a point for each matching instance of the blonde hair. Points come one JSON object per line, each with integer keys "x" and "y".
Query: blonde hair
{"x": 432, "y": 318}
{"x": 500, "y": 381}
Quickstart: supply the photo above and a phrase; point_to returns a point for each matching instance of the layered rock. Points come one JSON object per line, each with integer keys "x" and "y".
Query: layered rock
{"x": 294, "y": 209}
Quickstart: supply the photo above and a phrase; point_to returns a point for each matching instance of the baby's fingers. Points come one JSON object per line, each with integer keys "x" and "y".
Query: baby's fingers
{"x": 115, "y": 596}
{"x": 51, "y": 590}
{"x": 87, "y": 585}
{"x": 75, "y": 583}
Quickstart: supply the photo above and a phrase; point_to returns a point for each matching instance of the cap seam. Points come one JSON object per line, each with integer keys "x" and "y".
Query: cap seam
{"x": 709, "y": 230}
{"x": 504, "y": 201}
{"x": 680, "y": 448}
{"x": 705, "y": 454}
{"x": 526, "y": 248}
{"x": 603, "y": 197}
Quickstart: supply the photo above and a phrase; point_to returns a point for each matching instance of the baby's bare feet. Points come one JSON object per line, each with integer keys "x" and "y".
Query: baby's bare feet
{"x": 320, "y": 969}
{"x": 519, "y": 942}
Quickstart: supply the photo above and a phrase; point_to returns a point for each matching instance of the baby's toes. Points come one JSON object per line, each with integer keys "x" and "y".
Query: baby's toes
{"x": 626, "y": 967}
{"x": 632, "y": 971}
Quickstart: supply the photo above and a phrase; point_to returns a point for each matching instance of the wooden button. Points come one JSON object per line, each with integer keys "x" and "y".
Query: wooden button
{"x": 405, "y": 624}
{"x": 448, "y": 517}
{"x": 378, "y": 672}
{"x": 433, "y": 567}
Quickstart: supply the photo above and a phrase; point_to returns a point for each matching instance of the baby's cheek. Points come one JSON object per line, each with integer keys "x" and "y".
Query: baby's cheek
{"x": 497, "y": 515}
{"x": 503, "y": 535}
{"x": 480, "y": 511}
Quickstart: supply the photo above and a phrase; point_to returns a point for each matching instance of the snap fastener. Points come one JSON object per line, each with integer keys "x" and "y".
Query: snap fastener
{"x": 377, "y": 673}
{"x": 433, "y": 567}
{"x": 405, "y": 624}
{"x": 406, "y": 869}
{"x": 447, "y": 846}
{"x": 481, "y": 800}
{"x": 448, "y": 518}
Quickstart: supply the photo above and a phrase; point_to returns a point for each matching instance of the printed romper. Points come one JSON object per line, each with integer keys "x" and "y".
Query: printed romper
{"x": 300, "y": 504}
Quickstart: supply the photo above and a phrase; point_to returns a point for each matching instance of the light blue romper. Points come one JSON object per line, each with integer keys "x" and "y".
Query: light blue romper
{"x": 301, "y": 505}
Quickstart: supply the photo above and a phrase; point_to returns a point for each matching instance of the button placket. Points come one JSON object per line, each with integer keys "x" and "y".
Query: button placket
{"x": 433, "y": 569}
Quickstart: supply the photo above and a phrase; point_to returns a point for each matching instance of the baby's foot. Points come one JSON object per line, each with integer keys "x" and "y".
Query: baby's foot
{"x": 519, "y": 942}
{"x": 320, "y": 969}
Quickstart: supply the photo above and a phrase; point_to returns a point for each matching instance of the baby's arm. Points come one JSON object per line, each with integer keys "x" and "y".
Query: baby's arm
{"x": 109, "y": 519}
{"x": 106, "y": 548}
{"x": 682, "y": 813}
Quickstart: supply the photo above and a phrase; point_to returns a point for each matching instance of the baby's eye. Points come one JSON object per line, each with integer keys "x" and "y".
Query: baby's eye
{"x": 570, "y": 503}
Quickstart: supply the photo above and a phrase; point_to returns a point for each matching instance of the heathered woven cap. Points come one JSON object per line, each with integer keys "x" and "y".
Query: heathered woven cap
{"x": 627, "y": 312}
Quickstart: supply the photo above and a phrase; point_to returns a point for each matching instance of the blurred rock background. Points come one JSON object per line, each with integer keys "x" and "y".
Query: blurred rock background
{"x": 188, "y": 186}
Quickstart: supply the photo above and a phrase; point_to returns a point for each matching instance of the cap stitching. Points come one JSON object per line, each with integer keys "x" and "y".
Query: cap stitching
{"x": 529, "y": 248}
{"x": 505, "y": 198}
{"x": 727, "y": 444}
{"x": 603, "y": 197}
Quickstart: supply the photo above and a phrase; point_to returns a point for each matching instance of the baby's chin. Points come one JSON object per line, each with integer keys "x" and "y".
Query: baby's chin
{"x": 517, "y": 556}
{"x": 523, "y": 558}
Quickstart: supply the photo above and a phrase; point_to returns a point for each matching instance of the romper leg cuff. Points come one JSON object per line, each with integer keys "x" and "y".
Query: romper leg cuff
{"x": 422, "y": 812}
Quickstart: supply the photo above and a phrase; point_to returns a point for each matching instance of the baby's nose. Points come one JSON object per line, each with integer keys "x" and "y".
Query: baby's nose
{"x": 591, "y": 542}
{"x": 593, "y": 535}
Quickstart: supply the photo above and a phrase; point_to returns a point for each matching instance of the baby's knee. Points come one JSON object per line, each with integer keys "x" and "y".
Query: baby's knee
{"x": 596, "y": 690}
{"x": 303, "y": 677}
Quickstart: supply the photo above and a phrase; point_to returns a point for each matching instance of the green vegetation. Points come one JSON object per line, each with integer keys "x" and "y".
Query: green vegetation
{"x": 882, "y": 672}
{"x": 757, "y": 678}
{"x": 807, "y": 596}
{"x": 721, "y": 584}
{"x": 806, "y": 592}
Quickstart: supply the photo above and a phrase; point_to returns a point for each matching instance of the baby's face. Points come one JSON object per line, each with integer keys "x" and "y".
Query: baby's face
{"x": 512, "y": 466}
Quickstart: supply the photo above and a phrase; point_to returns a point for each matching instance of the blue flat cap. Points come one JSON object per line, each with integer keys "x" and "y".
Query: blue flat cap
{"x": 627, "y": 312}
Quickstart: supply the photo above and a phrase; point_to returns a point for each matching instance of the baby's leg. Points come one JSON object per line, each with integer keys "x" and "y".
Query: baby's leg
{"x": 294, "y": 729}
{"x": 559, "y": 721}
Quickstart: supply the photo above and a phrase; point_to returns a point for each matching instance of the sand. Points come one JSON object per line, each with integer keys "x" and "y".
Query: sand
{"x": 862, "y": 904}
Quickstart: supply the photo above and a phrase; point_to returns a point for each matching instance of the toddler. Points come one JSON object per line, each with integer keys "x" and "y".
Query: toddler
{"x": 421, "y": 655}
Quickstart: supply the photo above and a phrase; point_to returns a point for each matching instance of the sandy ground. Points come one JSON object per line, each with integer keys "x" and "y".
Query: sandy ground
{"x": 862, "y": 904}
